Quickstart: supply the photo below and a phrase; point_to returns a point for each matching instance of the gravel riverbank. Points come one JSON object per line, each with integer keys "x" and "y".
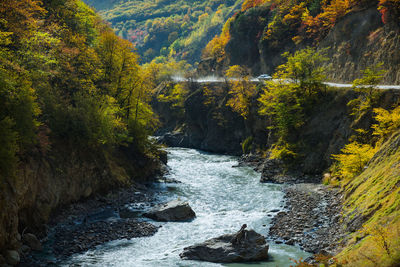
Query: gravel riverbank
{"x": 312, "y": 219}
{"x": 84, "y": 225}
{"x": 312, "y": 215}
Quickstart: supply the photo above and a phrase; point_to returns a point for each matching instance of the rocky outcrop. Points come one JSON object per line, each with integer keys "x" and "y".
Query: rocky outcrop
{"x": 211, "y": 127}
{"x": 174, "y": 139}
{"x": 252, "y": 247}
{"x": 173, "y": 211}
{"x": 12, "y": 257}
{"x": 360, "y": 40}
{"x": 216, "y": 128}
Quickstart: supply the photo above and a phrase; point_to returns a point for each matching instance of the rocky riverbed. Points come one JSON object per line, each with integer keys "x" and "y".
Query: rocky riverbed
{"x": 312, "y": 215}
{"x": 84, "y": 225}
{"x": 312, "y": 219}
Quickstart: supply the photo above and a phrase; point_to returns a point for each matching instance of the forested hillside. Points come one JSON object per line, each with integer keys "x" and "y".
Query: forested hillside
{"x": 73, "y": 101}
{"x": 162, "y": 29}
{"x": 357, "y": 34}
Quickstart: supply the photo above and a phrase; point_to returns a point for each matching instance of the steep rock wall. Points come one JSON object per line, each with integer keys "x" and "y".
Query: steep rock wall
{"x": 216, "y": 128}
{"x": 360, "y": 40}
{"x": 66, "y": 174}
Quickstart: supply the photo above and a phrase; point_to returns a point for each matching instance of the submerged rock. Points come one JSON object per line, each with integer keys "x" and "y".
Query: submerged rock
{"x": 173, "y": 211}
{"x": 250, "y": 246}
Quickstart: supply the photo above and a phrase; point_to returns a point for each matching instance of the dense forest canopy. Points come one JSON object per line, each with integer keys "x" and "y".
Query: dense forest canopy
{"x": 65, "y": 75}
{"x": 161, "y": 29}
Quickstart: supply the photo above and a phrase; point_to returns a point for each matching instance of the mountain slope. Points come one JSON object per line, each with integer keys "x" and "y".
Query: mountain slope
{"x": 180, "y": 29}
{"x": 355, "y": 34}
{"x": 373, "y": 202}
{"x": 73, "y": 118}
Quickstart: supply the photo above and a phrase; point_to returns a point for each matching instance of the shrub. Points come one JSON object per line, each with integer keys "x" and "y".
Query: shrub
{"x": 247, "y": 145}
{"x": 388, "y": 122}
{"x": 241, "y": 90}
{"x": 353, "y": 159}
{"x": 366, "y": 85}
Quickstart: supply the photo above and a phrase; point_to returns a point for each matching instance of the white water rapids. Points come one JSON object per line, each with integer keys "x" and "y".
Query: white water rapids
{"x": 223, "y": 198}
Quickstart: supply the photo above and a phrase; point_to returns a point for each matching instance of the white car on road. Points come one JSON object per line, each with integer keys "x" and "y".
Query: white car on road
{"x": 264, "y": 77}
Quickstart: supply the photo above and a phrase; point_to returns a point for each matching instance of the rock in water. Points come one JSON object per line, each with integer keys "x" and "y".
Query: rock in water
{"x": 174, "y": 211}
{"x": 251, "y": 247}
{"x": 31, "y": 241}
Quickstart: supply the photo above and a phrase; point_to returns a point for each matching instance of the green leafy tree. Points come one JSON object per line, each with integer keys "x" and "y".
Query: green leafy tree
{"x": 291, "y": 93}
{"x": 64, "y": 75}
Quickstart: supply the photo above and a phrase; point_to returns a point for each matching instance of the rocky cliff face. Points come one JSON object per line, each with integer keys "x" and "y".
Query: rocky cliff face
{"x": 45, "y": 183}
{"x": 211, "y": 127}
{"x": 360, "y": 40}
{"x": 215, "y": 127}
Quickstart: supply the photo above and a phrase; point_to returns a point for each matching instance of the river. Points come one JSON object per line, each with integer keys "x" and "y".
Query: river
{"x": 223, "y": 198}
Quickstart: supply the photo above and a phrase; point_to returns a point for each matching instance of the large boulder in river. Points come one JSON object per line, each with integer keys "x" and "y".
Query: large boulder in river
{"x": 251, "y": 247}
{"x": 174, "y": 211}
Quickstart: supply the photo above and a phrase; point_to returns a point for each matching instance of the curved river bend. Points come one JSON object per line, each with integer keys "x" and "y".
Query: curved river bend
{"x": 223, "y": 198}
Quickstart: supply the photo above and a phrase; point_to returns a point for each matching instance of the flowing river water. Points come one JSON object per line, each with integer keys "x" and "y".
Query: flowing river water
{"x": 223, "y": 198}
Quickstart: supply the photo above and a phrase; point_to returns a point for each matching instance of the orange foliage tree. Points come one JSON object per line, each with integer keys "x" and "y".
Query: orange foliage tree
{"x": 216, "y": 47}
{"x": 247, "y": 4}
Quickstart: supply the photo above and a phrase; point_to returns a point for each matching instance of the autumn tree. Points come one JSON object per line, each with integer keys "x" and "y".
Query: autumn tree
{"x": 247, "y": 4}
{"x": 216, "y": 47}
{"x": 64, "y": 75}
{"x": 390, "y": 10}
{"x": 241, "y": 90}
{"x": 367, "y": 87}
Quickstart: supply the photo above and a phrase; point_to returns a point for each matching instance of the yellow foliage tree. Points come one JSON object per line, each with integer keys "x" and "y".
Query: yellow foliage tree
{"x": 176, "y": 96}
{"x": 252, "y": 3}
{"x": 241, "y": 90}
{"x": 388, "y": 122}
{"x": 353, "y": 159}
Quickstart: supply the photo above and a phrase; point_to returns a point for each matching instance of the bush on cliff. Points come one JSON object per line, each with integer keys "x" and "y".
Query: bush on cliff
{"x": 290, "y": 95}
{"x": 366, "y": 86}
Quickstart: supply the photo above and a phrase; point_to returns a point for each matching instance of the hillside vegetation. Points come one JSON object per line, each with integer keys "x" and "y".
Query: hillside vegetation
{"x": 357, "y": 34}
{"x": 162, "y": 29}
{"x": 72, "y": 95}
{"x": 306, "y": 127}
